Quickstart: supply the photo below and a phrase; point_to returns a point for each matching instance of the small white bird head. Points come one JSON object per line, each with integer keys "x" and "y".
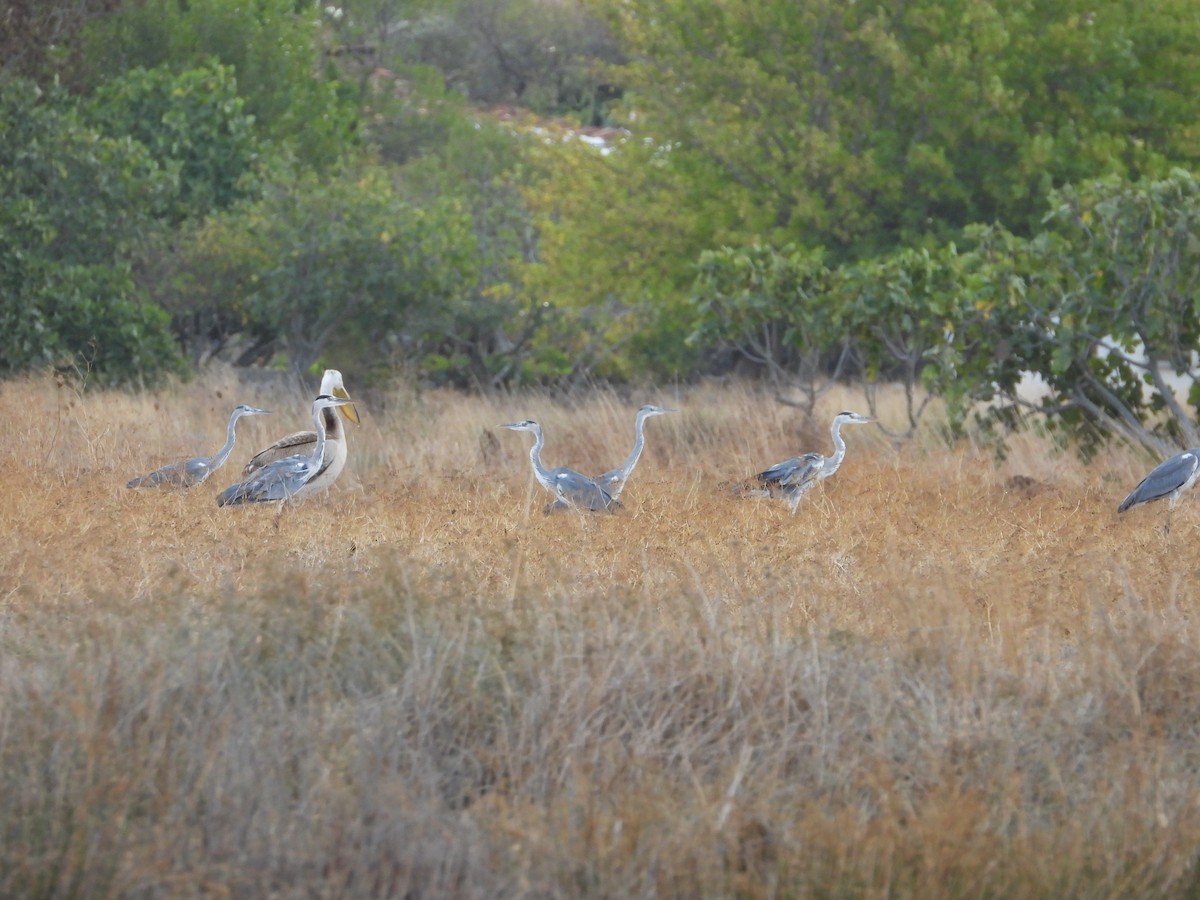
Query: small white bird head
{"x": 325, "y": 401}
{"x": 651, "y": 410}
{"x": 332, "y": 385}
{"x": 852, "y": 418}
{"x": 243, "y": 409}
{"x": 523, "y": 425}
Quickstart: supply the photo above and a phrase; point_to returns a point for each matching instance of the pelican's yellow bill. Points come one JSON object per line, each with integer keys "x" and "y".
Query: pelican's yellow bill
{"x": 350, "y": 411}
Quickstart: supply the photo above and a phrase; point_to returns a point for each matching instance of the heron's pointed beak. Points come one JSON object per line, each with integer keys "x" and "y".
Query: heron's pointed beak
{"x": 350, "y": 411}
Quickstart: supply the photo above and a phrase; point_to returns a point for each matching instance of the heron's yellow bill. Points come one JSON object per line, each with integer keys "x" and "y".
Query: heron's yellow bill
{"x": 350, "y": 411}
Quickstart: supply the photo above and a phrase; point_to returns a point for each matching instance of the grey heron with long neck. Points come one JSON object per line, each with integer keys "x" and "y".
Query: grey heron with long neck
{"x": 570, "y": 488}
{"x": 795, "y": 477}
{"x": 194, "y": 471}
{"x": 287, "y": 479}
{"x": 302, "y": 442}
{"x": 614, "y": 480}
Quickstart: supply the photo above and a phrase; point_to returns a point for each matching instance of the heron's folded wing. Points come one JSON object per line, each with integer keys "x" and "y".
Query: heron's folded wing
{"x": 301, "y": 442}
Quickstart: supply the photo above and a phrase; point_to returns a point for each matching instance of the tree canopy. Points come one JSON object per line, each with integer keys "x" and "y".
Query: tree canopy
{"x": 958, "y": 195}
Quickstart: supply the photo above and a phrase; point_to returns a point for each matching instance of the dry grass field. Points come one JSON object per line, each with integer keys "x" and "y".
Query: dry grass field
{"x": 941, "y": 678}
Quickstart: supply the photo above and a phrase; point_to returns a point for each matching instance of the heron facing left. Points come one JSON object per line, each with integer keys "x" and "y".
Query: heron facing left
{"x": 570, "y": 488}
{"x": 194, "y": 471}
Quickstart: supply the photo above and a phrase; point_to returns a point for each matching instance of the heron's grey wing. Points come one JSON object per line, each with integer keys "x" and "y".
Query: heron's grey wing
{"x": 277, "y": 481}
{"x": 578, "y": 488}
{"x": 609, "y": 479}
{"x": 299, "y": 443}
{"x": 796, "y": 471}
{"x": 198, "y": 469}
{"x": 176, "y": 474}
{"x": 1163, "y": 480}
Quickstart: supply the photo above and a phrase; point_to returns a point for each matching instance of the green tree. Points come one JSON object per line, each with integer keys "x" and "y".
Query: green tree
{"x": 770, "y": 307}
{"x": 74, "y": 205}
{"x": 1106, "y": 312}
{"x": 320, "y": 264}
{"x": 192, "y": 123}
{"x": 862, "y": 127}
{"x": 272, "y": 46}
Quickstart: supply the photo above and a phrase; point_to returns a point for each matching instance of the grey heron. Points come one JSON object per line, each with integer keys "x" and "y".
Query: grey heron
{"x": 1170, "y": 478}
{"x": 569, "y": 487}
{"x": 302, "y": 442}
{"x": 289, "y": 478}
{"x": 795, "y": 477}
{"x": 190, "y": 472}
{"x": 614, "y": 480}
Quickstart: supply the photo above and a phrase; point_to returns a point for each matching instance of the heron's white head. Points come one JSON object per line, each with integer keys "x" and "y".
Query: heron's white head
{"x": 852, "y": 418}
{"x": 524, "y": 425}
{"x": 326, "y": 401}
{"x": 243, "y": 409}
{"x": 333, "y": 386}
{"x": 651, "y": 410}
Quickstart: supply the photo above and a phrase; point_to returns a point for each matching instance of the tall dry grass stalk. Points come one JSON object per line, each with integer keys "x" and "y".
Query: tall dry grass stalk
{"x": 939, "y": 679}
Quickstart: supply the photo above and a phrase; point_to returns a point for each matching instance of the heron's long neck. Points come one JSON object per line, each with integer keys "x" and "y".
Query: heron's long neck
{"x": 839, "y": 452}
{"x": 535, "y": 456}
{"x": 639, "y": 442}
{"x": 223, "y": 453}
{"x": 318, "y": 454}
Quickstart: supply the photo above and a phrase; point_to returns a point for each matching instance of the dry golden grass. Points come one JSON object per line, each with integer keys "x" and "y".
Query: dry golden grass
{"x": 939, "y": 679}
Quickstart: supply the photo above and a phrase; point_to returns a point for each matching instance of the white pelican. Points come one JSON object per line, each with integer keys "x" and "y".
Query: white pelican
{"x": 302, "y": 442}
{"x": 795, "y": 477}
{"x": 568, "y": 486}
{"x": 190, "y": 472}
{"x": 291, "y": 477}
{"x": 614, "y": 480}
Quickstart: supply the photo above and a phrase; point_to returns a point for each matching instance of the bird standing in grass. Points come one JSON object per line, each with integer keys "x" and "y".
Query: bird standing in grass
{"x": 570, "y": 488}
{"x": 289, "y": 478}
{"x": 191, "y": 472}
{"x": 614, "y": 480}
{"x": 795, "y": 477}
{"x": 302, "y": 442}
{"x": 1169, "y": 479}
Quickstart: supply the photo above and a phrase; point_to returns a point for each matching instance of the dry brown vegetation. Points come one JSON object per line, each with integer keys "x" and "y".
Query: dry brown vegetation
{"x": 940, "y": 678}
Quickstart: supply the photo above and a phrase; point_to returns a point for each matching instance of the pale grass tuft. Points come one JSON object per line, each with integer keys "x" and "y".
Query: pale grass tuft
{"x": 935, "y": 680}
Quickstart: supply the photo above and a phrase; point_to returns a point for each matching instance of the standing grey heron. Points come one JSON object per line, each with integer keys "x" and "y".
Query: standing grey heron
{"x": 614, "y": 480}
{"x": 795, "y": 477}
{"x": 1169, "y": 479}
{"x": 286, "y": 479}
{"x": 570, "y": 488}
{"x": 302, "y": 442}
{"x": 190, "y": 472}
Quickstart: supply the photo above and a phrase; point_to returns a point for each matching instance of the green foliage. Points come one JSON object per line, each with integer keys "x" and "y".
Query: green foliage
{"x": 863, "y": 127}
{"x": 614, "y": 256}
{"x": 1107, "y": 316}
{"x": 73, "y": 206}
{"x": 902, "y": 314}
{"x": 272, "y": 47}
{"x": 193, "y": 124}
{"x": 769, "y": 307}
{"x": 324, "y": 264}
{"x": 542, "y": 56}
{"x": 1100, "y": 309}
{"x": 34, "y": 33}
